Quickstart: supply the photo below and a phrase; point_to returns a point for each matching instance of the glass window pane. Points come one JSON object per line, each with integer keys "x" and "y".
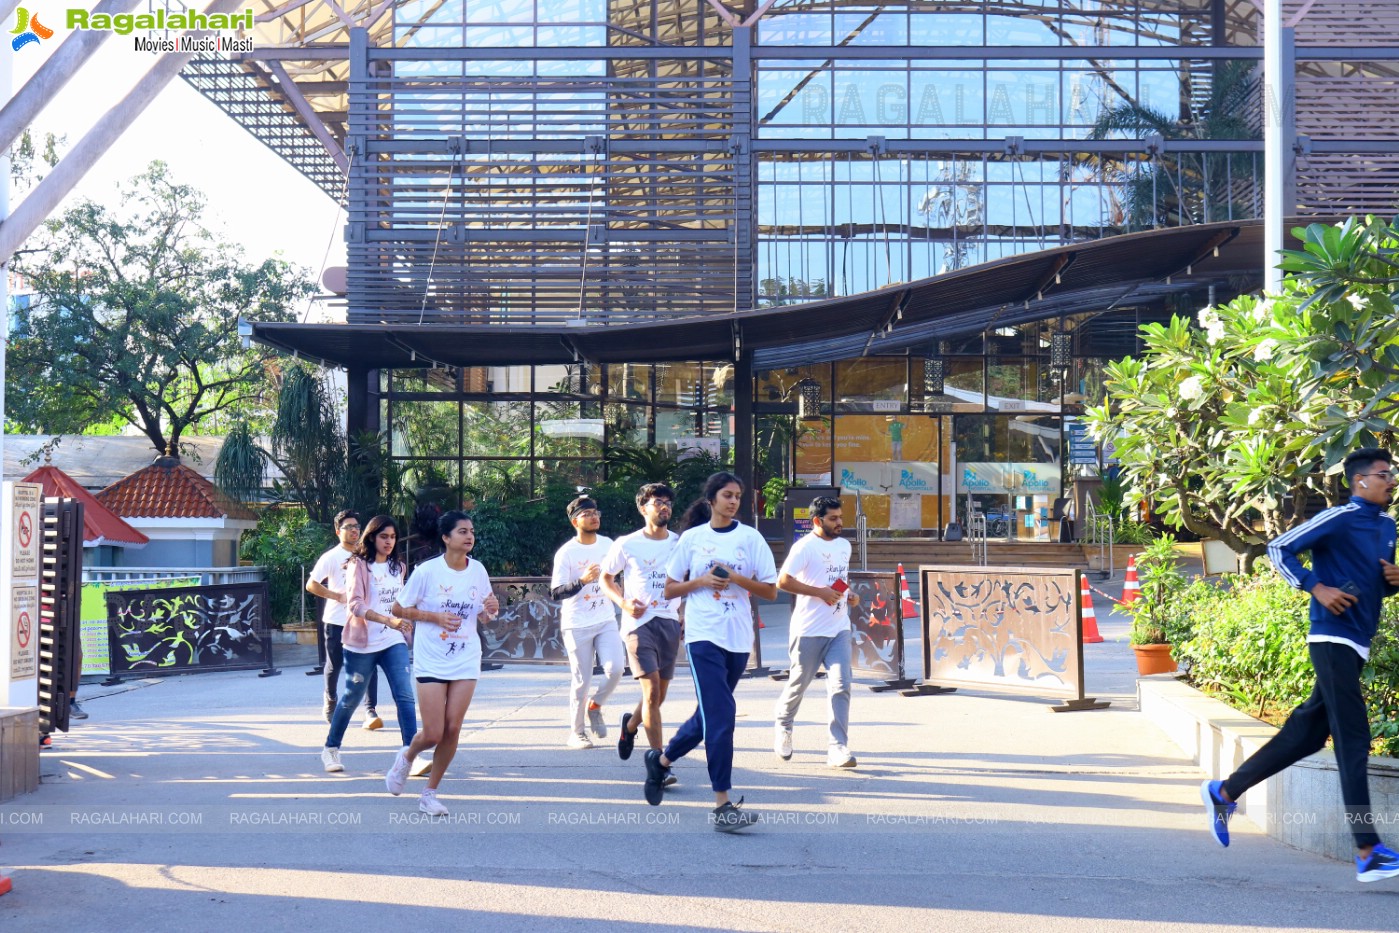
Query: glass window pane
{"x": 496, "y": 429}
{"x": 496, "y": 478}
{"x": 425, "y": 429}
{"x": 868, "y": 380}
{"x": 565, "y": 429}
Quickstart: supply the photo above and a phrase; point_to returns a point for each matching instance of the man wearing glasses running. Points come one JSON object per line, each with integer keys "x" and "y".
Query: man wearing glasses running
{"x": 1352, "y": 571}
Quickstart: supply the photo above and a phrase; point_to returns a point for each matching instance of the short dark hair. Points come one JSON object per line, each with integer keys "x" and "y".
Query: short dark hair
{"x": 581, "y": 504}
{"x": 345, "y": 515}
{"x": 654, "y": 491}
{"x": 823, "y": 504}
{"x": 450, "y": 520}
{"x": 1358, "y": 461}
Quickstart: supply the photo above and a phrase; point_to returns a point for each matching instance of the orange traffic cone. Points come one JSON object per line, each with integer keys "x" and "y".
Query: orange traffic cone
{"x": 1131, "y": 589}
{"x": 909, "y": 607}
{"x": 1090, "y": 619}
{"x": 4, "y": 884}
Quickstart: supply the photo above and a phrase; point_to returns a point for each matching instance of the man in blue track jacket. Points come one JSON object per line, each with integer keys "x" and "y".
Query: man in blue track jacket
{"x": 1352, "y": 571}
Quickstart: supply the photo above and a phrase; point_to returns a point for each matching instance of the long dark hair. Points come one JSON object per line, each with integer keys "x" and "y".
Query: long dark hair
{"x": 700, "y": 510}
{"x": 367, "y": 552}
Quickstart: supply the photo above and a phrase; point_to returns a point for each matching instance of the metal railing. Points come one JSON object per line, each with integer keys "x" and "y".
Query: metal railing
{"x": 862, "y": 532}
{"x": 977, "y": 533}
{"x": 1101, "y": 533}
{"x": 208, "y": 576}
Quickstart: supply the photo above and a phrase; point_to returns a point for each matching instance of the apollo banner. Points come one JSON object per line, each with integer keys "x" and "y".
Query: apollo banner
{"x": 1019, "y": 479}
{"x": 872, "y": 478}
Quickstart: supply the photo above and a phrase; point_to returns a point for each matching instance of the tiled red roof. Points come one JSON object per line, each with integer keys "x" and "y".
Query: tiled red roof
{"x": 100, "y": 525}
{"x": 169, "y": 489}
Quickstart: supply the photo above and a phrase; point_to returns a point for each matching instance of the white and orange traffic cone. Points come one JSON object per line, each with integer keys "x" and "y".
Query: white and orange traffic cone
{"x": 909, "y": 607}
{"x": 5, "y": 885}
{"x": 1090, "y": 618}
{"x": 1131, "y": 589}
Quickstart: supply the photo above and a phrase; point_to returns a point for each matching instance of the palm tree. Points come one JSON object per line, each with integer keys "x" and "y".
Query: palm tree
{"x": 1177, "y": 188}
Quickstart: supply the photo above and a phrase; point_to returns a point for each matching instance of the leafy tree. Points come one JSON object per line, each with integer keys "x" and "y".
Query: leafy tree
{"x": 135, "y": 316}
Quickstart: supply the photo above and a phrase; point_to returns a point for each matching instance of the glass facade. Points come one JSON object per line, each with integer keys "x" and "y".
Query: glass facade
{"x": 595, "y": 162}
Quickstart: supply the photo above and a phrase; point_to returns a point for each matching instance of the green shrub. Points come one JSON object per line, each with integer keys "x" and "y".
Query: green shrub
{"x": 1161, "y": 614}
{"x": 287, "y": 544}
{"x": 1249, "y": 648}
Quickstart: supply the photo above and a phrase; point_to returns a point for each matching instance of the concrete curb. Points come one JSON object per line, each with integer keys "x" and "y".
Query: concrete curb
{"x": 1301, "y": 806}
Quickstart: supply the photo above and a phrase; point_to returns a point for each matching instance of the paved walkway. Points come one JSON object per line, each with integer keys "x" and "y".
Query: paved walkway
{"x": 199, "y": 802}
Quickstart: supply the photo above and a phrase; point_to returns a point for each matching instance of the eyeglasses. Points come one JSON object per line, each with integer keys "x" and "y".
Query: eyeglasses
{"x": 349, "y": 526}
{"x": 588, "y": 513}
{"x": 1385, "y": 475}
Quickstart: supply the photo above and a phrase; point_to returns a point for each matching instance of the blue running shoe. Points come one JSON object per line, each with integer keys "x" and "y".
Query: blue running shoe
{"x": 1382, "y": 862}
{"x": 1218, "y": 811}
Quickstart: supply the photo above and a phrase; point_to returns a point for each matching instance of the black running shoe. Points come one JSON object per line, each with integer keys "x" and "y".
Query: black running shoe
{"x": 655, "y": 778}
{"x": 730, "y": 819}
{"x": 627, "y": 740}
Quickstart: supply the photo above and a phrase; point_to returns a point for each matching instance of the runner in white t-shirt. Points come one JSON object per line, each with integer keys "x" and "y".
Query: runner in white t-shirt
{"x": 717, "y": 564}
{"x": 650, "y": 622}
{"x": 587, "y": 620}
{"x": 373, "y": 635}
{"x": 444, "y": 599}
{"x": 817, "y": 571}
{"x": 327, "y": 581}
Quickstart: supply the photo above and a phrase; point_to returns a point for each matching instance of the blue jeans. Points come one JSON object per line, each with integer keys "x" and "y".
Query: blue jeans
{"x": 359, "y": 668}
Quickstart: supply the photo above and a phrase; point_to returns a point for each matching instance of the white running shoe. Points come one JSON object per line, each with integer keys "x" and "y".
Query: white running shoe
{"x": 782, "y": 742}
{"x": 330, "y": 757}
{"x": 580, "y": 740}
{"x": 421, "y": 765}
{"x": 839, "y": 757}
{"x": 596, "y": 722}
{"x": 398, "y": 774}
{"x": 429, "y": 804}
{"x": 372, "y": 721}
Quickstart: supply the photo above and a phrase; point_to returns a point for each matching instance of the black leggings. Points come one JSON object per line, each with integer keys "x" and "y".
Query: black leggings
{"x": 1336, "y": 708}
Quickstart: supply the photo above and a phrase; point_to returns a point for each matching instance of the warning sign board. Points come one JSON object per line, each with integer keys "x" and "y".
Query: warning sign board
{"x": 25, "y": 535}
{"x": 24, "y": 649}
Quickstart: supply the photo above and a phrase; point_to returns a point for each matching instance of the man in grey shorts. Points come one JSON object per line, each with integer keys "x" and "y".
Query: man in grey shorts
{"x": 650, "y": 622}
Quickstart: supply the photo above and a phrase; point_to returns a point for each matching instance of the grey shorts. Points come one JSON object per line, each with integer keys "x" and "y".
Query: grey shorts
{"x": 653, "y": 647}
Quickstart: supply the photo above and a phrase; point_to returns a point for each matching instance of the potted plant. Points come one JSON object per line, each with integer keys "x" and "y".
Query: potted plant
{"x": 1160, "y": 615}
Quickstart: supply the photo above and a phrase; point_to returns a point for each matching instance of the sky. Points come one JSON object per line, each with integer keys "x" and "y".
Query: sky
{"x": 255, "y": 199}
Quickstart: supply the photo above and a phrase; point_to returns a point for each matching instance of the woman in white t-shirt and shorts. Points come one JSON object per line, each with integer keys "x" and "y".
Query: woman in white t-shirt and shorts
{"x": 716, "y": 566}
{"x": 444, "y": 598}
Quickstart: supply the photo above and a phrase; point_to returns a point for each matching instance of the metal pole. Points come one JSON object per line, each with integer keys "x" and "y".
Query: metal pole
{"x": 1279, "y": 75}
{"x": 47, "y": 195}
{"x": 65, "y": 62}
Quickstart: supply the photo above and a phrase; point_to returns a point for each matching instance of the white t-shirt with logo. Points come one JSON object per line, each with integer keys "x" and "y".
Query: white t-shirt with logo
{"x": 435, "y": 587}
{"x": 818, "y": 562}
{"x": 724, "y": 617}
{"x": 329, "y": 572}
{"x": 590, "y": 605}
{"x": 385, "y": 588}
{"x": 642, "y": 563}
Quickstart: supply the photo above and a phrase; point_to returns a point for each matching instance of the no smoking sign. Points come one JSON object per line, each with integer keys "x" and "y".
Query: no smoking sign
{"x": 24, "y": 655}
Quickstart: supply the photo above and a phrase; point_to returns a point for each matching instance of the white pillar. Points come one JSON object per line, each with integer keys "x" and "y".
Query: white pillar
{"x": 1279, "y": 192}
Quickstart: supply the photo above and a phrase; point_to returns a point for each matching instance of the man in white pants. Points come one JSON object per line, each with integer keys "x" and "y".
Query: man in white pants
{"x": 588, "y": 620}
{"x": 817, "y": 571}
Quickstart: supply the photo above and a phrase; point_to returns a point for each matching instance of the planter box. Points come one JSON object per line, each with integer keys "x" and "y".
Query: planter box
{"x": 302, "y": 634}
{"x": 1302, "y": 805}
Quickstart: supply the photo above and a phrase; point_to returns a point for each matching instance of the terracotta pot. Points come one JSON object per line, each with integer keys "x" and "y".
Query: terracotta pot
{"x": 1154, "y": 659}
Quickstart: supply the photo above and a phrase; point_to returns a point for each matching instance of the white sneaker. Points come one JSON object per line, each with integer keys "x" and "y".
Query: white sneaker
{"x": 597, "y": 723}
{"x": 782, "y": 742}
{"x": 372, "y": 721}
{"x": 398, "y": 774}
{"x": 580, "y": 740}
{"x": 839, "y": 757}
{"x": 421, "y": 765}
{"x": 330, "y": 757}
{"x": 429, "y": 804}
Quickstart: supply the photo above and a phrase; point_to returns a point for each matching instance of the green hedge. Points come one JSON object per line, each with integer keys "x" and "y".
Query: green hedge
{"x": 1248, "y": 647}
{"x": 284, "y": 542}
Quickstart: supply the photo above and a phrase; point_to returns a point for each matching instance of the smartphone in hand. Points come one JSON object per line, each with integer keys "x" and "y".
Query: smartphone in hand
{"x": 721, "y": 572}
{"x": 1350, "y": 587}
{"x": 840, "y": 586}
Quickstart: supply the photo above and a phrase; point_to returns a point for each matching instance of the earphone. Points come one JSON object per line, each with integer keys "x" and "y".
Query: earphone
{"x": 1364, "y": 485}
